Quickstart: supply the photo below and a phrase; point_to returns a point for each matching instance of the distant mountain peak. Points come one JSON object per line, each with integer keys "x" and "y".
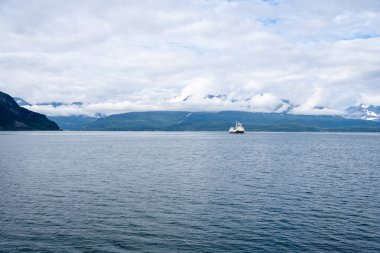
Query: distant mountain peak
{"x": 21, "y": 102}
{"x": 57, "y": 104}
{"x": 363, "y": 112}
{"x": 221, "y": 97}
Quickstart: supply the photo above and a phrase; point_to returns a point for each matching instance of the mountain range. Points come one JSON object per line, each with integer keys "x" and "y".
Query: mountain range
{"x": 356, "y": 118}
{"x": 73, "y": 122}
{"x": 13, "y": 117}
{"x": 221, "y": 121}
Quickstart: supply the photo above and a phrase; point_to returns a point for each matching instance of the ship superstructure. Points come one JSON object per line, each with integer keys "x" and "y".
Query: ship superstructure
{"x": 237, "y": 129}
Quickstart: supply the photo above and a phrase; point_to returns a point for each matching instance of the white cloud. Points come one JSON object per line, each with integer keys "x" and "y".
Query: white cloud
{"x": 64, "y": 110}
{"x": 370, "y": 99}
{"x": 265, "y": 103}
{"x": 120, "y": 56}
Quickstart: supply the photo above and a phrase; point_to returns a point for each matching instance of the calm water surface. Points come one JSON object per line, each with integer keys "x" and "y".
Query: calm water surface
{"x": 189, "y": 192}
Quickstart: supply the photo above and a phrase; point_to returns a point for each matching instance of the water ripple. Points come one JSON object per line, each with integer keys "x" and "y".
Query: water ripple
{"x": 189, "y": 192}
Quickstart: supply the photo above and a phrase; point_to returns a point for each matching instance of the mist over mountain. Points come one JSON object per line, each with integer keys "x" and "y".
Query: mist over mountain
{"x": 210, "y": 102}
{"x": 276, "y": 115}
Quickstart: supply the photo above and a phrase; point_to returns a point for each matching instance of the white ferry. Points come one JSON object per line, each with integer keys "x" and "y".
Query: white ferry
{"x": 237, "y": 129}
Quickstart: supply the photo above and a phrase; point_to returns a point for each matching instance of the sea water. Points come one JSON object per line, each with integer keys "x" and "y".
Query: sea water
{"x": 189, "y": 192}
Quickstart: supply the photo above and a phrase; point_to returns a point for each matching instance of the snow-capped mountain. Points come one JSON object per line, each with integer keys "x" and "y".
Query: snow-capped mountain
{"x": 257, "y": 103}
{"x": 363, "y": 112}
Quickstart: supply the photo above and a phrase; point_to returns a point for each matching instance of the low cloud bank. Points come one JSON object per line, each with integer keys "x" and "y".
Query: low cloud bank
{"x": 190, "y": 101}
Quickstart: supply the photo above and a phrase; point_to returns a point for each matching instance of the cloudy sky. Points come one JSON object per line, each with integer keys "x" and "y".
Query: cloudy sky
{"x": 120, "y": 56}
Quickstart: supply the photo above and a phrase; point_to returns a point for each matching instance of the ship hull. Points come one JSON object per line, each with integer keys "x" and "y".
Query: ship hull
{"x": 236, "y": 132}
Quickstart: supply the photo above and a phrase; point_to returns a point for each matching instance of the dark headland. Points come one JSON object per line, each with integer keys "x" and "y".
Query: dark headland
{"x": 13, "y": 117}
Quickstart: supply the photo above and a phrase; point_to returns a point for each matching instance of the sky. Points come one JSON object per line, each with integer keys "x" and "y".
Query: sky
{"x": 119, "y": 56}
